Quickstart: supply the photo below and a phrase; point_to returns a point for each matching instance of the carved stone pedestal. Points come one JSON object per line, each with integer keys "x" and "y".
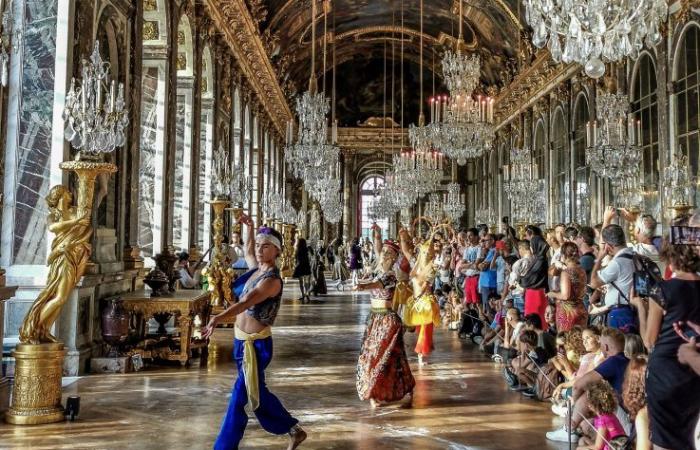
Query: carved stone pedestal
{"x": 36, "y": 397}
{"x": 5, "y": 293}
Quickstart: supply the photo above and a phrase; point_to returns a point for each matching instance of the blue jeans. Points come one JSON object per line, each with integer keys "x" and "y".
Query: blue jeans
{"x": 273, "y": 417}
{"x": 519, "y": 303}
{"x": 486, "y": 293}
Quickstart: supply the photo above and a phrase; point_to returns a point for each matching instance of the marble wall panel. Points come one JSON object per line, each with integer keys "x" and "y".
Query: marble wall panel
{"x": 205, "y": 180}
{"x": 147, "y": 170}
{"x": 35, "y": 126}
{"x": 179, "y": 215}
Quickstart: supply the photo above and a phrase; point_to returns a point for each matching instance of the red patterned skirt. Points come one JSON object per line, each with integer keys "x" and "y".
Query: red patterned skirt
{"x": 383, "y": 373}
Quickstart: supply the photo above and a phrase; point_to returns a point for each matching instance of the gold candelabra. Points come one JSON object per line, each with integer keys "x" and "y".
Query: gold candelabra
{"x": 36, "y": 394}
{"x": 288, "y": 252}
{"x": 219, "y": 273}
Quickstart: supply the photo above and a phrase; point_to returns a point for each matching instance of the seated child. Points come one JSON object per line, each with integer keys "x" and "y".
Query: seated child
{"x": 603, "y": 404}
{"x": 526, "y": 365}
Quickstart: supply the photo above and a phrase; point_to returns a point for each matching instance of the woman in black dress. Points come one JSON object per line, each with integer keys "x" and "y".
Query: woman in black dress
{"x": 302, "y": 269}
{"x": 673, "y": 390}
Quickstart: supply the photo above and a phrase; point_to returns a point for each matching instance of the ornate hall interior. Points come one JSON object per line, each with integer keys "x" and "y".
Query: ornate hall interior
{"x": 143, "y": 143}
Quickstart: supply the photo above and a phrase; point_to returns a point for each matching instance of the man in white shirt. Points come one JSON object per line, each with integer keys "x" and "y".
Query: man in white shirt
{"x": 618, "y": 275}
{"x": 644, "y": 231}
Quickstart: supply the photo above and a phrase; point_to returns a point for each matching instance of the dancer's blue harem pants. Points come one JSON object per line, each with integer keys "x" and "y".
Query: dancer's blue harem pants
{"x": 273, "y": 417}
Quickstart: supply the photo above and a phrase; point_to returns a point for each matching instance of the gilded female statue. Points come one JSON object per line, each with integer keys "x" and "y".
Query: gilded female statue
{"x": 70, "y": 252}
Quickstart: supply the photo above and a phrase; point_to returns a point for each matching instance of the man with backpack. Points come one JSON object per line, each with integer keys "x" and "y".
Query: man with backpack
{"x": 617, "y": 277}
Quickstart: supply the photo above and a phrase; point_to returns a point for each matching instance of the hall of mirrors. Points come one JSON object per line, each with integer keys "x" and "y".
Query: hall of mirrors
{"x": 144, "y": 145}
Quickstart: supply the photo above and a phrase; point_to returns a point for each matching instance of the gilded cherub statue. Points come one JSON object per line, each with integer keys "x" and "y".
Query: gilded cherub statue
{"x": 70, "y": 252}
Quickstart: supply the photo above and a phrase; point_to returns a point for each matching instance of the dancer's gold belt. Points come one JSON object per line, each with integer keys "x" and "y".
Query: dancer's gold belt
{"x": 250, "y": 363}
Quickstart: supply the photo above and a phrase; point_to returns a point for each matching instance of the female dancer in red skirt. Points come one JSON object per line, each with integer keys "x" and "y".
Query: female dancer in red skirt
{"x": 383, "y": 373}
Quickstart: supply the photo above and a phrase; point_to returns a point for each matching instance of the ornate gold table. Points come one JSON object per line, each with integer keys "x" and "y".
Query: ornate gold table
{"x": 184, "y": 305}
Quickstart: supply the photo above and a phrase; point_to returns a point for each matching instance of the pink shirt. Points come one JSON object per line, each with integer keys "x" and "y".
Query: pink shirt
{"x": 611, "y": 425}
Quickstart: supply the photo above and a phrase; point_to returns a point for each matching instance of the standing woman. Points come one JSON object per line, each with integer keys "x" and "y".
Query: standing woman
{"x": 422, "y": 309}
{"x": 355, "y": 254}
{"x": 535, "y": 279}
{"x": 570, "y": 310}
{"x": 383, "y": 373}
{"x": 302, "y": 269}
{"x": 255, "y": 312}
{"x": 673, "y": 389}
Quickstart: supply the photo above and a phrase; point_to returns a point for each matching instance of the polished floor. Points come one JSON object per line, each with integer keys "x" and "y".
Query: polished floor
{"x": 460, "y": 399}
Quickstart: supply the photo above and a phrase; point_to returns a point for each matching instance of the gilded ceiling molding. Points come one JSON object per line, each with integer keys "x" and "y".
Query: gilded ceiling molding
{"x": 501, "y": 4}
{"x": 241, "y": 34}
{"x": 535, "y": 81}
{"x": 283, "y": 10}
{"x": 364, "y": 140}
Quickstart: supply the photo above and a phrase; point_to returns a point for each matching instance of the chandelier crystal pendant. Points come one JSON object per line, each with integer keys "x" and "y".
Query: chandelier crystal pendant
{"x": 591, "y": 32}
{"x": 485, "y": 216}
{"x": 613, "y": 141}
{"x": 94, "y": 112}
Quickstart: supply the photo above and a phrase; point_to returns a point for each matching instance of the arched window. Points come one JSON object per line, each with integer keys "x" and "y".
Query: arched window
{"x": 153, "y": 113}
{"x": 645, "y": 109}
{"x": 206, "y": 150}
{"x": 687, "y": 82}
{"x": 581, "y": 171}
{"x": 368, "y": 190}
{"x": 560, "y": 169}
{"x": 183, "y": 136}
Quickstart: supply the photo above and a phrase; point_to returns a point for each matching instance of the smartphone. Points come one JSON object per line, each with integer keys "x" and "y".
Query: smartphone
{"x": 684, "y": 331}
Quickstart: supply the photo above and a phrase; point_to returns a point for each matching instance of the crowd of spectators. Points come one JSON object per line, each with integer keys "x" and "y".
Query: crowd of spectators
{"x": 600, "y": 324}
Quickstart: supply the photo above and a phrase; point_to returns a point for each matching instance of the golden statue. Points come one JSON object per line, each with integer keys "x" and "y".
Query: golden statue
{"x": 70, "y": 252}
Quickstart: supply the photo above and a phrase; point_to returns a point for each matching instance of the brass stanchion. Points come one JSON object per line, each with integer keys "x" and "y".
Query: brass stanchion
{"x": 36, "y": 393}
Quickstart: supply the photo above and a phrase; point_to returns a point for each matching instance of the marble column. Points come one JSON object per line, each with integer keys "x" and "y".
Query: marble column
{"x": 132, "y": 254}
{"x": 198, "y": 50}
{"x": 5, "y": 293}
{"x": 347, "y": 197}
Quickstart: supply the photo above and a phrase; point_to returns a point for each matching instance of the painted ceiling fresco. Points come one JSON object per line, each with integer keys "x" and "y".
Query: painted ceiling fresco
{"x": 364, "y": 28}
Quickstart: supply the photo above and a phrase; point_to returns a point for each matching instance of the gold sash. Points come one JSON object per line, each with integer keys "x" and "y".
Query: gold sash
{"x": 250, "y": 363}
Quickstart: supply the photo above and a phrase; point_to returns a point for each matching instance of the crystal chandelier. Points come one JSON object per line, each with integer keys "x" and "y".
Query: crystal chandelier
{"x": 433, "y": 208}
{"x": 679, "y": 183}
{"x": 594, "y": 31}
{"x": 454, "y": 203}
{"x": 462, "y": 125}
{"x": 95, "y": 118}
{"x": 613, "y": 145}
{"x": 522, "y": 187}
{"x": 221, "y": 173}
{"x": 311, "y": 156}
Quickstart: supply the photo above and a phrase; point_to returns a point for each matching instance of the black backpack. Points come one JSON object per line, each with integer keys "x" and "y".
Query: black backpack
{"x": 647, "y": 277}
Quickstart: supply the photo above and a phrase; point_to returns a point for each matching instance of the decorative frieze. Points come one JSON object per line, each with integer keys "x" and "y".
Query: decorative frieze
{"x": 241, "y": 34}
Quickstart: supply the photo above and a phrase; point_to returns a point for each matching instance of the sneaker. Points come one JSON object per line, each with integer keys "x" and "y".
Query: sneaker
{"x": 561, "y": 435}
{"x": 477, "y": 339}
{"x": 559, "y": 410}
{"x": 529, "y": 393}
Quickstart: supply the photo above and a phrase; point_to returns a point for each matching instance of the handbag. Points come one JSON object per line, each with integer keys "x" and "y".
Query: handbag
{"x": 622, "y": 317}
